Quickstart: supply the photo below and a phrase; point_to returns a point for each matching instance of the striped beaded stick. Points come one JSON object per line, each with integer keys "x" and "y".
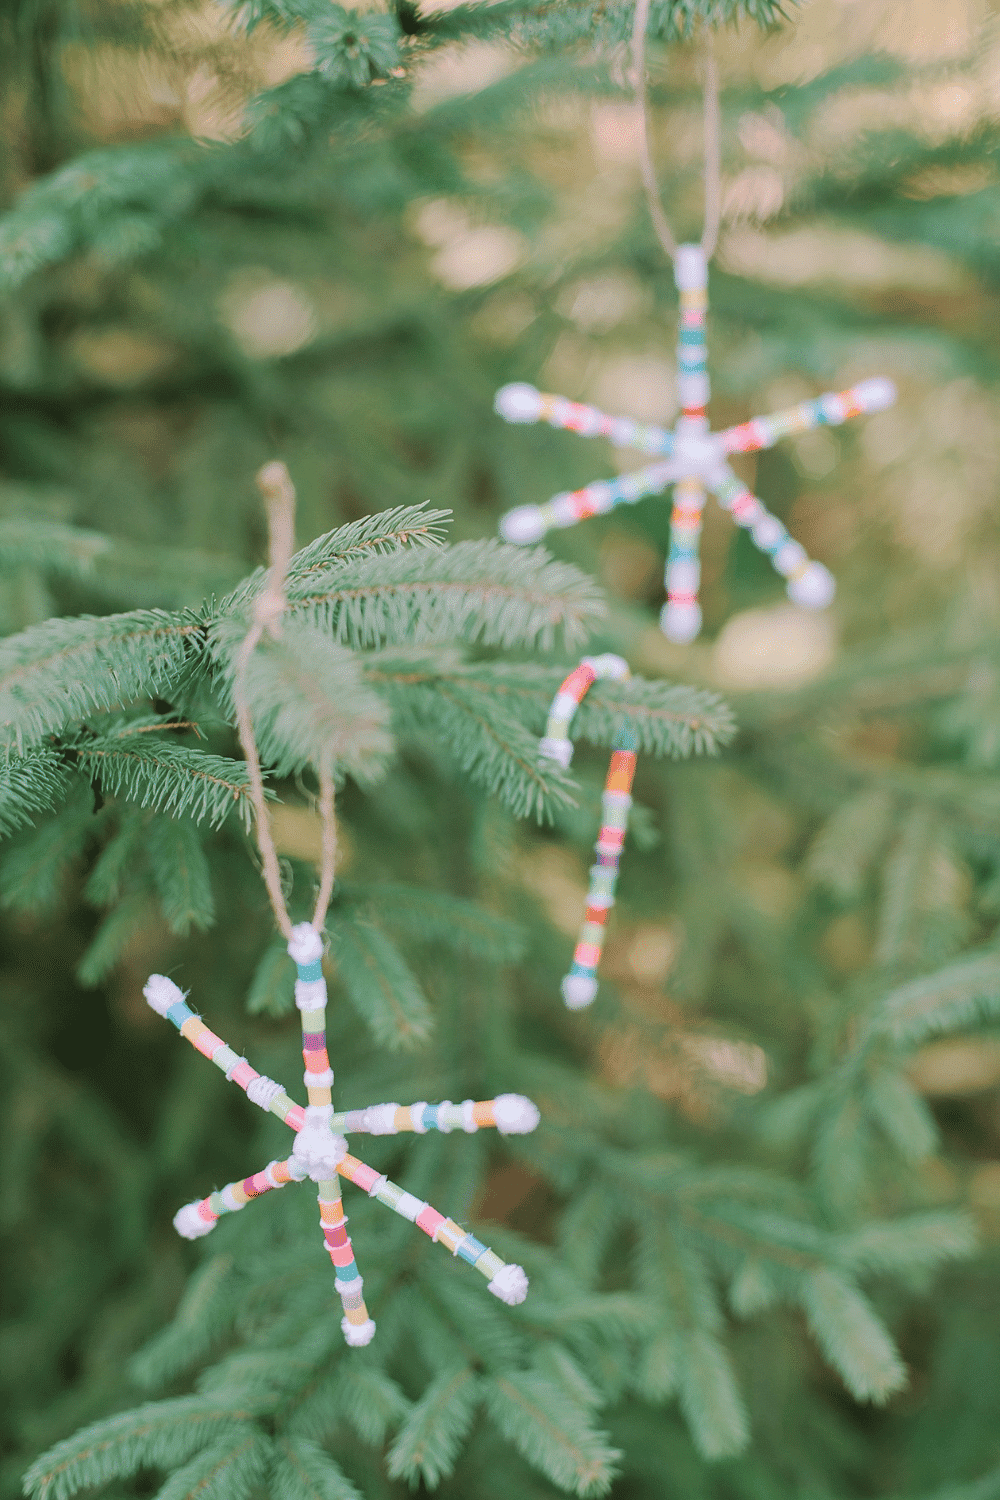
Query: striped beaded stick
{"x": 680, "y": 618}
{"x": 320, "y": 1150}
{"x": 579, "y": 987}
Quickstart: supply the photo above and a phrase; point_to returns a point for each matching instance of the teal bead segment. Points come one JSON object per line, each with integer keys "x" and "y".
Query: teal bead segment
{"x": 583, "y": 971}
{"x": 180, "y": 1012}
{"x": 217, "y": 1204}
{"x": 311, "y": 971}
{"x": 349, "y": 1272}
{"x": 626, "y": 738}
{"x": 690, "y": 336}
{"x": 471, "y": 1249}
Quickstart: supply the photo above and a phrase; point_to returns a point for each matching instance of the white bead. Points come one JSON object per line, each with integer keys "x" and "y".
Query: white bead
{"x": 468, "y": 1119}
{"x": 189, "y": 1223}
{"x": 510, "y": 1284}
{"x": 518, "y": 403}
{"x": 417, "y": 1117}
{"x": 514, "y": 1114}
{"x": 357, "y": 1334}
{"x": 380, "y": 1119}
{"x": 601, "y": 496}
{"x": 875, "y": 394}
{"x": 263, "y": 1091}
{"x": 310, "y": 994}
{"x": 557, "y": 750}
{"x": 690, "y": 268}
{"x": 767, "y": 532}
{"x": 684, "y": 575}
{"x": 680, "y": 623}
{"x": 790, "y": 558}
{"x": 161, "y": 993}
{"x": 305, "y": 944}
{"x": 562, "y": 509}
{"x": 322, "y": 1080}
{"x": 608, "y": 667}
{"x": 578, "y": 991}
{"x": 523, "y": 525}
{"x": 693, "y": 389}
{"x": 814, "y": 589}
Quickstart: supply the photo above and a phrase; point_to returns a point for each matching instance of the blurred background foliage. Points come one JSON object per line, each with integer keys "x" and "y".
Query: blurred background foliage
{"x": 284, "y": 228}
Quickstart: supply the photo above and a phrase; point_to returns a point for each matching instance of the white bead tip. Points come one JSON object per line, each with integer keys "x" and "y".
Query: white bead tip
{"x": 357, "y": 1334}
{"x": 510, "y": 1284}
{"x": 814, "y": 588}
{"x": 875, "y": 394}
{"x": 680, "y": 623}
{"x": 514, "y": 1114}
{"x": 189, "y": 1223}
{"x": 560, "y": 751}
{"x": 518, "y": 403}
{"x": 609, "y": 667}
{"x": 578, "y": 991}
{"x": 305, "y": 944}
{"x": 523, "y": 525}
{"x": 161, "y": 993}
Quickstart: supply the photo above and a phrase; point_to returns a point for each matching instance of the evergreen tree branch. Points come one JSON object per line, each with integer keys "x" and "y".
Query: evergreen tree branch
{"x": 166, "y": 777}
{"x": 63, "y": 670}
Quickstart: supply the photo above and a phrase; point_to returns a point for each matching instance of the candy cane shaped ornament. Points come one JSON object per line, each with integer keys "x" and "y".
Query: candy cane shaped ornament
{"x": 579, "y": 987}
{"x": 692, "y": 459}
{"x": 320, "y": 1150}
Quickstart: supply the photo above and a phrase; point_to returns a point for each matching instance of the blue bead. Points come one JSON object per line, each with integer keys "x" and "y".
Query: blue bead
{"x": 471, "y": 1249}
{"x": 311, "y": 971}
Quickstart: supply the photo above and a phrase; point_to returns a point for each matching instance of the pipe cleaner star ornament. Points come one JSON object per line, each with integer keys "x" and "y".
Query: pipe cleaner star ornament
{"x": 692, "y": 459}
{"x": 320, "y": 1151}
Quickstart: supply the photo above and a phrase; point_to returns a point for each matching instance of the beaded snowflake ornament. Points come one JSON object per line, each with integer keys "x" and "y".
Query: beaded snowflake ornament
{"x": 580, "y": 985}
{"x": 320, "y": 1151}
{"x": 692, "y": 459}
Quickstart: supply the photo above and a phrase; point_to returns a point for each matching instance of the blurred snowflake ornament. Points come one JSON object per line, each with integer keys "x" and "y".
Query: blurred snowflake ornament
{"x": 692, "y": 459}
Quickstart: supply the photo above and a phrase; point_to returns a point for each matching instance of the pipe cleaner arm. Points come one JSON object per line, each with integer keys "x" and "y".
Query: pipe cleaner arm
{"x": 509, "y": 1114}
{"x": 520, "y": 403}
{"x": 168, "y": 1000}
{"x": 809, "y": 583}
{"x": 506, "y": 1280}
{"x": 828, "y": 410}
{"x": 529, "y": 523}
